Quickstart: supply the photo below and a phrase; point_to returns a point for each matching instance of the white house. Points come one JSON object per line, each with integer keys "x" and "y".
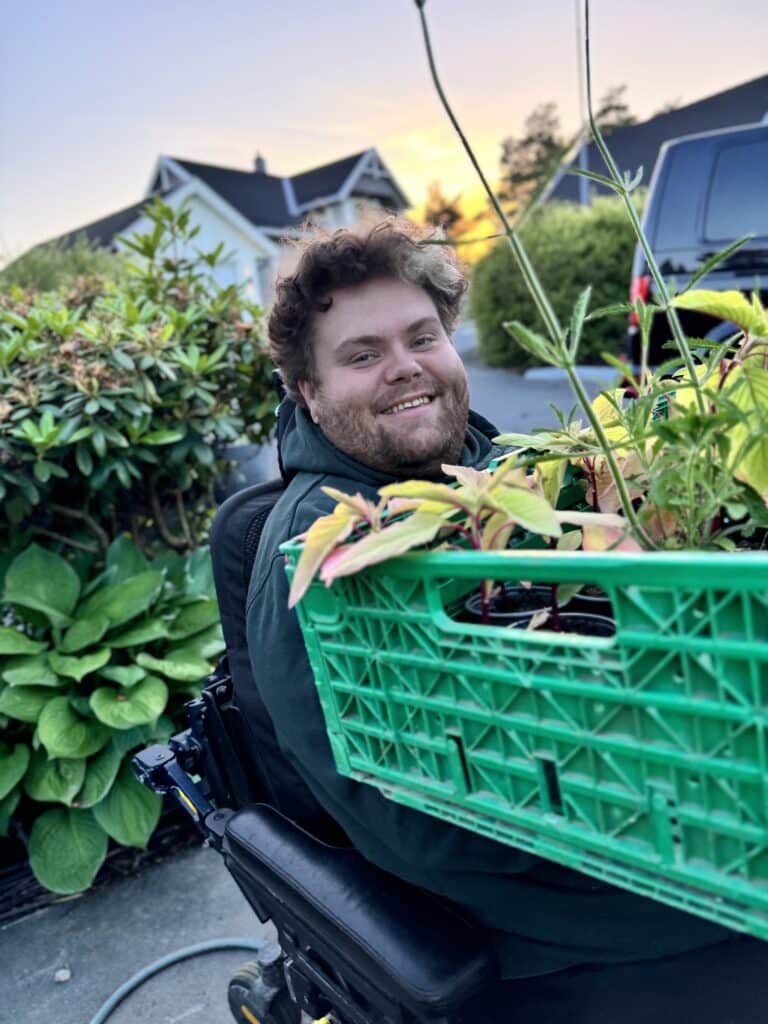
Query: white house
{"x": 251, "y": 211}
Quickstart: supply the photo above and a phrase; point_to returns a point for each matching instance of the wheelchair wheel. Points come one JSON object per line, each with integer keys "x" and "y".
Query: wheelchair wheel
{"x": 246, "y": 999}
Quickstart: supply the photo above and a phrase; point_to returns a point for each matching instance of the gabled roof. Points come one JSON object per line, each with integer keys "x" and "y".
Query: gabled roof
{"x": 324, "y": 181}
{"x": 638, "y": 145}
{"x": 259, "y": 197}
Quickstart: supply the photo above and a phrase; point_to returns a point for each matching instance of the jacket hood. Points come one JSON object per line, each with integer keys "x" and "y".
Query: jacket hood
{"x": 304, "y": 448}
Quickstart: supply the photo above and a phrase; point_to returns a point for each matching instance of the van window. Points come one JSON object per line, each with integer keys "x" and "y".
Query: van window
{"x": 683, "y": 184}
{"x": 738, "y": 193}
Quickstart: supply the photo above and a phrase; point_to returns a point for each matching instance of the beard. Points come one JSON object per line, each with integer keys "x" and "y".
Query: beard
{"x": 398, "y": 449}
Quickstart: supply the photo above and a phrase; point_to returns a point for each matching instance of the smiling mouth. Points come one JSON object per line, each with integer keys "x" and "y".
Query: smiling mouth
{"x": 409, "y": 403}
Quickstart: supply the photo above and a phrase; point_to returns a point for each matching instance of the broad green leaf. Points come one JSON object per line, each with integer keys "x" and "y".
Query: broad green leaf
{"x": 163, "y": 437}
{"x": 44, "y": 581}
{"x": 549, "y": 475}
{"x": 142, "y": 633}
{"x": 125, "y": 675}
{"x": 193, "y": 618}
{"x": 24, "y": 703}
{"x": 130, "y": 811}
{"x": 57, "y": 780}
{"x": 13, "y": 765}
{"x": 122, "y": 709}
{"x": 321, "y": 538}
{"x": 527, "y": 509}
{"x": 206, "y": 645}
{"x": 121, "y": 602}
{"x": 160, "y": 731}
{"x": 419, "y": 528}
{"x": 14, "y": 642}
{"x": 32, "y": 670}
{"x": 66, "y": 849}
{"x": 84, "y": 632}
{"x": 727, "y": 305}
{"x": 124, "y": 560}
{"x": 8, "y": 805}
{"x": 100, "y": 772}
{"x": 749, "y": 439}
{"x": 77, "y": 668}
{"x": 496, "y": 532}
{"x": 65, "y": 733}
{"x": 186, "y": 668}
{"x": 198, "y": 574}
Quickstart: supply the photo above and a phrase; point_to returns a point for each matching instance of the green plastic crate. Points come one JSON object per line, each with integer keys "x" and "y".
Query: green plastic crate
{"x": 641, "y": 759}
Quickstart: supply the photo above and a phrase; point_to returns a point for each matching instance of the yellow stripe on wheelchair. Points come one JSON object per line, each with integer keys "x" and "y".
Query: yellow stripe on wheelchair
{"x": 251, "y": 1018}
{"x": 193, "y": 811}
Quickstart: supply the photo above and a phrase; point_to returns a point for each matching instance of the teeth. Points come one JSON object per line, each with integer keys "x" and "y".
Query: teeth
{"x": 410, "y": 405}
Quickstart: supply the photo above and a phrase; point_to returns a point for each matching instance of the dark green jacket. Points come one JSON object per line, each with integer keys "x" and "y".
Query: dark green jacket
{"x": 545, "y": 917}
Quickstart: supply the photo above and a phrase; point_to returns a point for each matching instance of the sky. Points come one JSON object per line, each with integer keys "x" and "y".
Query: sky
{"x": 92, "y": 92}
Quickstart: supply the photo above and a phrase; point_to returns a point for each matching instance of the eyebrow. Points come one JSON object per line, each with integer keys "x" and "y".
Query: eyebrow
{"x": 368, "y": 339}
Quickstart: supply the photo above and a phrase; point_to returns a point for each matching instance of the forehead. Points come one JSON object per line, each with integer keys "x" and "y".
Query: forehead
{"x": 382, "y": 306}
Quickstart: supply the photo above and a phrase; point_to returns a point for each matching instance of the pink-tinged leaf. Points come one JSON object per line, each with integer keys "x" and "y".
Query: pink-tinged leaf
{"x": 609, "y": 538}
{"x": 423, "y": 490}
{"x": 526, "y": 508}
{"x": 474, "y": 480}
{"x": 321, "y": 538}
{"x": 402, "y": 536}
{"x": 587, "y": 519}
{"x": 396, "y": 507}
{"x": 496, "y": 532}
{"x": 355, "y": 502}
{"x": 507, "y": 472}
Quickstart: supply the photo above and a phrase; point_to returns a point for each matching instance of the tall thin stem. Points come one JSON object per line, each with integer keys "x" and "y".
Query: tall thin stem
{"x": 543, "y": 304}
{"x": 674, "y": 321}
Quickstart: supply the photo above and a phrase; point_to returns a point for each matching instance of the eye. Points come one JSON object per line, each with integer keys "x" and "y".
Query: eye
{"x": 423, "y": 340}
{"x": 360, "y": 358}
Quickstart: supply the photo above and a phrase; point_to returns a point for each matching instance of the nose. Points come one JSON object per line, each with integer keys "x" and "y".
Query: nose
{"x": 402, "y": 365}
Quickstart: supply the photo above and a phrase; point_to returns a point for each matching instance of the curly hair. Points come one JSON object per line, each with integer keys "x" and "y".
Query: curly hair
{"x": 390, "y": 248}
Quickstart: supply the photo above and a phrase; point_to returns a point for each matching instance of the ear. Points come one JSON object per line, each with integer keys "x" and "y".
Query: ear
{"x": 308, "y": 392}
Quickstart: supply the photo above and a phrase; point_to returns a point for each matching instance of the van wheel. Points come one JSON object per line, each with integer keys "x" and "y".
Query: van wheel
{"x": 246, "y": 989}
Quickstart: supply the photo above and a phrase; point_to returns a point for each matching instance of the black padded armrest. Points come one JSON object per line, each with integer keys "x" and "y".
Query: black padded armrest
{"x": 407, "y": 942}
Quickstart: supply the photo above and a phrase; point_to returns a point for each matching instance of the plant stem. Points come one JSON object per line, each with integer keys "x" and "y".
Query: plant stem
{"x": 543, "y": 304}
{"x": 74, "y": 513}
{"x": 79, "y": 544}
{"x": 674, "y": 321}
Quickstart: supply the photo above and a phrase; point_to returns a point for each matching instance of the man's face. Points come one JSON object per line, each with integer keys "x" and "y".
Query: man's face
{"x": 390, "y": 389}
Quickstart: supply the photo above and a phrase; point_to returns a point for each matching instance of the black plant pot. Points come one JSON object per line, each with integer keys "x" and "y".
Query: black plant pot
{"x": 592, "y": 600}
{"x": 512, "y": 606}
{"x": 580, "y": 623}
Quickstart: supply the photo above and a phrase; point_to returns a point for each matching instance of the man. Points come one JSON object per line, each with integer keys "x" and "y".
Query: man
{"x": 361, "y": 336}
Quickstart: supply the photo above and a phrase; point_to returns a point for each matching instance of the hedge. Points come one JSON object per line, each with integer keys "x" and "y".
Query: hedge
{"x": 570, "y": 246}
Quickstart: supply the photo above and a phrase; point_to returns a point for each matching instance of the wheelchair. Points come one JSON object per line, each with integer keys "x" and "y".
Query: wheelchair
{"x": 355, "y": 945}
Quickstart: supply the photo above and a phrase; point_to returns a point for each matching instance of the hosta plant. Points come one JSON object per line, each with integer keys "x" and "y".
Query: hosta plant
{"x": 91, "y": 667}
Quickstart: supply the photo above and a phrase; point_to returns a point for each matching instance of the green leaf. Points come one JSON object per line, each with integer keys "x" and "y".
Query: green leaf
{"x": 600, "y": 178}
{"x": 66, "y": 849}
{"x": 130, "y": 811}
{"x": 719, "y": 257}
{"x": 8, "y": 805}
{"x": 83, "y": 633}
{"x": 142, "y": 633}
{"x": 527, "y": 509}
{"x": 122, "y": 709}
{"x": 121, "y": 602}
{"x": 184, "y": 668}
{"x": 124, "y": 560}
{"x": 57, "y": 780}
{"x": 14, "y": 642}
{"x": 32, "y": 670}
{"x": 24, "y": 703}
{"x": 77, "y": 668}
{"x": 100, "y": 772}
{"x": 749, "y": 439}
{"x": 64, "y": 733}
{"x": 727, "y": 305}
{"x": 206, "y": 645}
{"x": 125, "y": 675}
{"x": 198, "y": 574}
{"x": 533, "y": 343}
{"x": 13, "y": 765}
{"x": 44, "y": 581}
{"x": 163, "y": 437}
{"x": 577, "y": 320}
{"x": 419, "y": 528}
{"x": 193, "y": 618}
